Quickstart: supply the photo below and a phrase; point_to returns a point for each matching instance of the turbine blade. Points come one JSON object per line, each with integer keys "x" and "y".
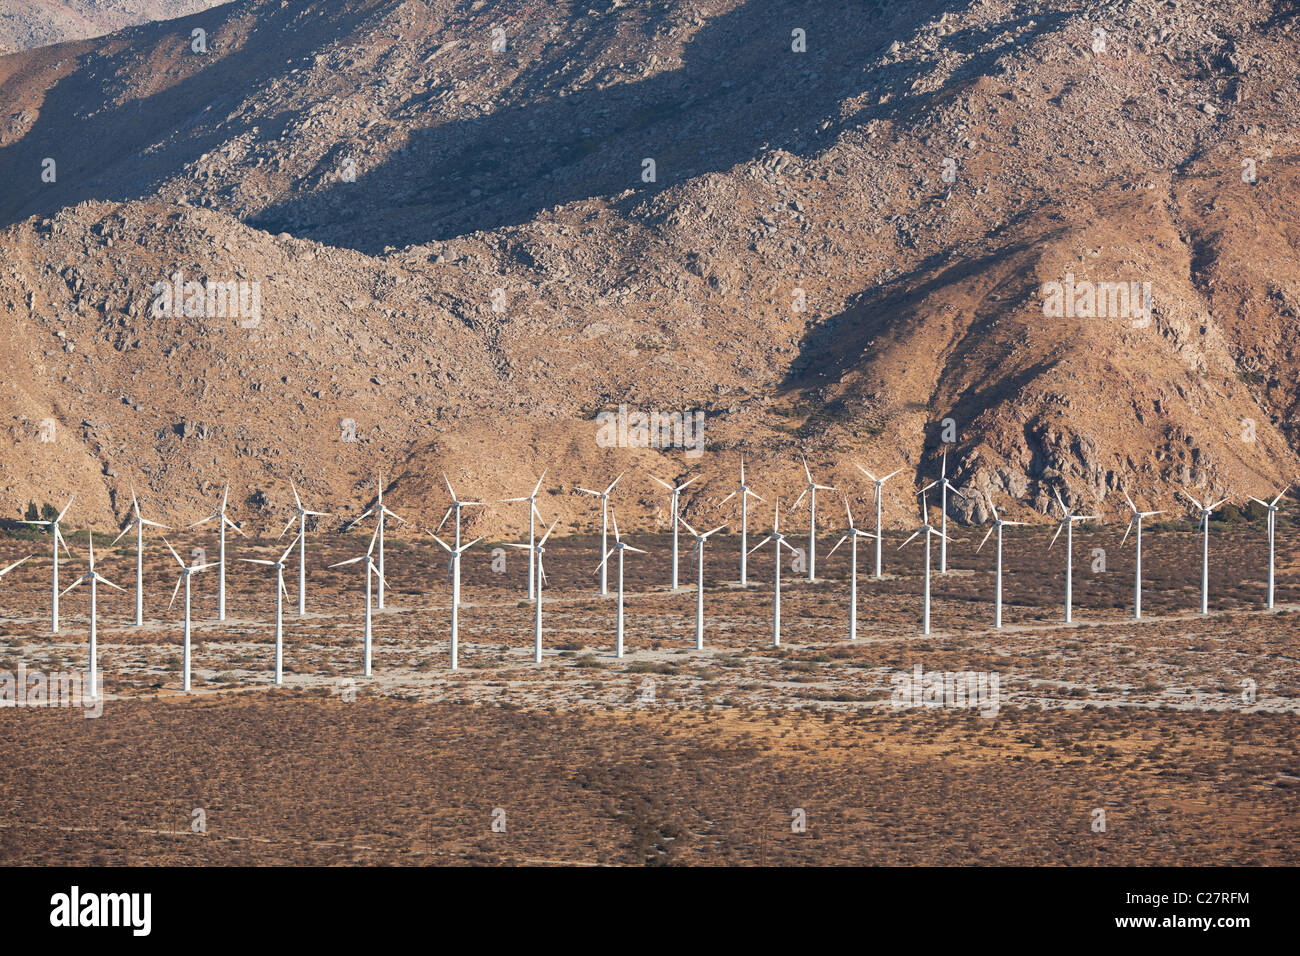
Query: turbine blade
{"x": 196, "y": 524}
{"x": 361, "y": 557}
{"x": 269, "y": 564}
{"x": 538, "y": 486}
{"x": 760, "y": 544}
{"x": 688, "y": 527}
{"x": 173, "y": 551}
{"x": 445, "y": 546}
{"x": 548, "y": 532}
{"x": 1127, "y": 530}
{"x": 296, "y": 499}
{"x": 686, "y": 482}
{"x": 615, "y": 481}
{"x": 103, "y": 580}
{"x": 235, "y": 527}
{"x": 73, "y": 585}
{"x": 129, "y": 525}
{"x": 837, "y": 544}
{"x": 176, "y": 590}
{"x": 287, "y": 527}
{"x": 285, "y": 556}
{"x": 729, "y": 497}
{"x": 910, "y": 537}
{"x": 65, "y": 509}
{"x": 864, "y": 471}
{"x": 662, "y": 482}
{"x": 5, "y": 571}
{"x": 986, "y": 539}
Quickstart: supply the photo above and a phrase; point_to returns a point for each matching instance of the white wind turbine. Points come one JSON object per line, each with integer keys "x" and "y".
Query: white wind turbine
{"x": 604, "y": 527}
{"x": 539, "y": 549}
{"x": 699, "y": 582}
{"x": 280, "y": 592}
{"x": 779, "y": 542}
{"x": 533, "y": 514}
{"x": 745, "y": 494}
{"x": 1272, "y": 528}
{"x": 58, "y": 540}
{"x": 1137, "y": 574}
{"x": 95, "y": 578}
{"x": 1067, "y": 522}
{"x": 852, "y": 536}
{"x": 811, "y": 490}
{"x": 371, "y": 569}
{"x": 619, "y": 547}
{"x": 676, "y": 492}
{"x": 453, "y": 565}
{"x": 137, "y": 522}
{"x": 1206, "y": 509}
{"x": 186, "y": 571}
{"x": 222, "y": 524}
{"x": 301, "y": 514}
{"x": 998, "y": 525}
{"x": 944, "y": 486}
{"x": 879, "y": 483}
{"x": 929, "y": 530}
{"x": 382, "y": 512}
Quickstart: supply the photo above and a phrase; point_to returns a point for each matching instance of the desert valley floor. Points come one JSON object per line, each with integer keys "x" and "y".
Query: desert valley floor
{"x": 670, "y": 755}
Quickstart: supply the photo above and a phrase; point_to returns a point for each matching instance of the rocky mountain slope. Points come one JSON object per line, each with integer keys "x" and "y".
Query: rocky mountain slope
{"x": 462, "y": 257}
{"x": 25, "y": 24}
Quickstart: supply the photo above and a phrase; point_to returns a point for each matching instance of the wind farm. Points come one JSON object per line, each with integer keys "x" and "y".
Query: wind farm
{"x": 874, "y": 430}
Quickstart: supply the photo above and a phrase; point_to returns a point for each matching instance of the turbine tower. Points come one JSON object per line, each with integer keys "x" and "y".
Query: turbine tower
{"x": 137, "y": 522}
{"x": 879, "y": 483}
{"x": 928, "y": 530}
{"x": 779, "y": 542}
{"x": 300, "y": 516}
{"x": 699, "y": 584}
{"x": 1137, "y": 574}
{"x": 223, "y": 523}
{"x": 998, "y": 524}
{"x": 944, "y": 486}
{"x": 1067, "y": 522}
{"x": 533, "y": 514}
{"x": 604, "y": 527}
{"x": 371, "y": 569}
{"x": 381, "y": 511}
{"x": 540, "y": 549}
{"x": 852, "y": 536}
{"x": 619, "y": 546}
{"x": 745, "y": 494}
{"x": 1272, "y": 529}
{"x": 58, "y": 540}
{"x": 453, "y": 565}
{"x": 676, "y": 492}
{"x": 186, "y": 571}
{"x": 1206, "y": 509}
{"x": 811, "y": 490}
{"x": 95, "y": 578}
{"x": 280, "y": 592}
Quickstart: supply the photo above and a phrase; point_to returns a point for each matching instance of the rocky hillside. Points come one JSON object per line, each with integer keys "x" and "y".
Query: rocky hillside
{"x": 31, "y": 23}
{"x": 832, "y": 229}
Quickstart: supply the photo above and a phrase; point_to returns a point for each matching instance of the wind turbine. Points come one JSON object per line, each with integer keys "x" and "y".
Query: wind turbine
{"x": 945, "y": 486}
{"x": 540, "y": 549}
{"x": 371, "y": 569}
{"x": 1272, "y": 528}
{"x": 779, "y": 541}
{"x": 745, "y": 494}
{"x": 301, "y": 517}
{"x": 879, "y": 483}
{"x": 381, "y": 511}
{"x": 852, "y": 536}
{"x": 533, "y": 514}
{"x": 998, "y": 524}
{"x": 137, "y": 522}
{"x": 699, "y": 584}
{"x": 222, "y": 524}
{"x": 928, "y": 530}
{"x": 619, "y": 547}
{"x": 453, "y": 564}
{"x": 58, "y": 540}
{"x": 280, "y": 592}
{"x": 186, "y": 571}
{"x": 811, "y": 490}
{"x": 1137, "y": 574}
{"x": 604, "y": 527}
{"x": 1206, "y": 509}
{"x": 676, "y": 491}
{"x": 95, "y": 578}
{"x": 1067, "y": 522}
